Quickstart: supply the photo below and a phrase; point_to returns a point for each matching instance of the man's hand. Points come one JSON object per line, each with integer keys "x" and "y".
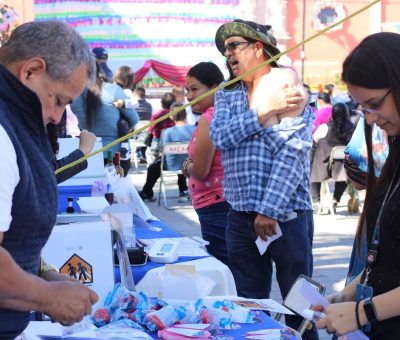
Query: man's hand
{"x": 86, "y": 141}
{"x": 68, "y": 302}
{"x": 54, "y": 276}
{"x": 264, "y": 226}
{"x": 278, "y": 102}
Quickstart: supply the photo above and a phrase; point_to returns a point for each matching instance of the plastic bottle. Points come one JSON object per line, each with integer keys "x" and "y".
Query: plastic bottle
{"x": 125, "y": 158}
{"x": 70, "y": 208}
{"x": 117, "y": 164}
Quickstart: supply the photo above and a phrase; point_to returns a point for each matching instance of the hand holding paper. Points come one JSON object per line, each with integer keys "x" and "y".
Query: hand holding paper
{"x": 315, "y": 298}
{"x": 263, "y": 245}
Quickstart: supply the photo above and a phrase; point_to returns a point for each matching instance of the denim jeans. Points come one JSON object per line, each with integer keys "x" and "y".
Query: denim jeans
{"x": 213, "y": 220}
{"x": 292, "y": 254}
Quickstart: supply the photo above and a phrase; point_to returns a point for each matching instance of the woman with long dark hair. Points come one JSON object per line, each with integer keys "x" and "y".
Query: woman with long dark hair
{"x": 372, "y": 300}
{"x": 97, "y": 113}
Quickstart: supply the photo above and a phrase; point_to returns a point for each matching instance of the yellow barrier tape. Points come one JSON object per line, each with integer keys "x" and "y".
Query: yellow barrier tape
{"x": 223, "y": 85}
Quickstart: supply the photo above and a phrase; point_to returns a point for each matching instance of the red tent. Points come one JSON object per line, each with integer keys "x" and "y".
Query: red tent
{"x": 176, "y": 75}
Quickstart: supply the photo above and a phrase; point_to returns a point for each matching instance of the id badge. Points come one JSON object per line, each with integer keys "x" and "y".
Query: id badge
{"x": 363, "y": 292}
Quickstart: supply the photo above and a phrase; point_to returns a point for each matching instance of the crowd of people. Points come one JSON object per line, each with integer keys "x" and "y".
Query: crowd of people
{"x": 257, "y": 156}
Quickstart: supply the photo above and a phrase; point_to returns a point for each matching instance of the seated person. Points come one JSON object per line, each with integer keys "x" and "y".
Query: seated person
{"x": 181, "y": 132}
{"x": 153, "y": 152}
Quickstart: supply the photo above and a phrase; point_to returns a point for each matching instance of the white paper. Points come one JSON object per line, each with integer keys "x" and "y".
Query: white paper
{"x": 187, "y": 245}
{"x": 316, "y": 298}
{"x": 92, "y": 205}
{"x": 126, "y": 193}
{"x": 274, "y": 306}
{"x": 263, "y": 245}
{"x": 187, "y": 332}
{"x": 88, "y": 243}
{"x": 192, "y": 325}
{"x": 262, "y": 304}
{"x": 312, "y": 295}
{"x": 54, "y": 330}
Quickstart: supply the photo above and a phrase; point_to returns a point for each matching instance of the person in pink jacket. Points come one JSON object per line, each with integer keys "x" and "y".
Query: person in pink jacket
{"x": 203, "y": 167}
{"x": 324, "y": 111}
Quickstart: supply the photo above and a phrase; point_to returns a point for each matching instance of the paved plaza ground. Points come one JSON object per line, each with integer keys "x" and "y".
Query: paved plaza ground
{"x": 333, "y": 236}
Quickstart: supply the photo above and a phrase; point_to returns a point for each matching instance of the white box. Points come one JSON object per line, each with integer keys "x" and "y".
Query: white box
{"x": 83, "y": 251}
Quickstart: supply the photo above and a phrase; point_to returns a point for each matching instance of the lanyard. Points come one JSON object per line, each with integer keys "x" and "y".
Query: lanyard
{"x": 376, "y": 237}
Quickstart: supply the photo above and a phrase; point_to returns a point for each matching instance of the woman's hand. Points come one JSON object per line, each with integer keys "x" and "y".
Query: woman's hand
{"x": 336, "y": 297}
{"x": 340, "y": 318}
{"x": 185, "y": 167}
{"x": 119, "y": 104}
{"x": 86, "y": 141}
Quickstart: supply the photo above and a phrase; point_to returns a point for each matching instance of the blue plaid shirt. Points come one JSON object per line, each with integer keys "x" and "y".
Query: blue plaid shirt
{"x": 266, "y": 170}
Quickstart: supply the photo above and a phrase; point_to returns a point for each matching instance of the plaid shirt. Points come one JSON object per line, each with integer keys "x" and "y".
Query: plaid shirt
{"x": 266, "y": 170}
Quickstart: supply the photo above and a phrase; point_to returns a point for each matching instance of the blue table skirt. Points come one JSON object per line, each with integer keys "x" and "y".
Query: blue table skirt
{"x": 142, "y": 233}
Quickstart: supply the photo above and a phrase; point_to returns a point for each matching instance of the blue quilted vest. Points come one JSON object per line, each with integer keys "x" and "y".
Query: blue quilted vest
{"x": 35, "y": 199}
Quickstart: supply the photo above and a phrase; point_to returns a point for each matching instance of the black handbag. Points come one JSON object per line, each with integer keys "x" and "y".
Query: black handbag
{"x": 123, "y": 126}
{"x": 354, "y": 173}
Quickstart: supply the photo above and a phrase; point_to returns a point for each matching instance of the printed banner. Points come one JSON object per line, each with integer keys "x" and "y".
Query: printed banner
{"x": 177, "y": 32}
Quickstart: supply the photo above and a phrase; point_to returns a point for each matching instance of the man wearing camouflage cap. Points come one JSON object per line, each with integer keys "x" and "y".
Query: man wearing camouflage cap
{"x": 262, "y": 126}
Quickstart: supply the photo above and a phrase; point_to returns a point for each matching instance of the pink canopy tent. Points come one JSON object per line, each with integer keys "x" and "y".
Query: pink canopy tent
{"x": 176, "y": 75}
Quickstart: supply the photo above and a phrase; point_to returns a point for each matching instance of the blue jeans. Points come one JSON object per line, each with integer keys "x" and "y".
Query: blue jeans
{"x": 292, "y": 254}
{"x": 213, "y": 220}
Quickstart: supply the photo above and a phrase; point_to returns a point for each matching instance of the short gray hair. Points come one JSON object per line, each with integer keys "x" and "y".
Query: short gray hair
{"x": 59, "y": 45}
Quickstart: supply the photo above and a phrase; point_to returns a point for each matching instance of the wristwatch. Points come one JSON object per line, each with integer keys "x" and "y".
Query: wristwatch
{"x": 369, "y": 310}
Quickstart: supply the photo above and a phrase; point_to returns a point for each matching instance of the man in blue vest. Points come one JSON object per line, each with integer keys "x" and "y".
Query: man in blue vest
{"x": 43, "y": 67}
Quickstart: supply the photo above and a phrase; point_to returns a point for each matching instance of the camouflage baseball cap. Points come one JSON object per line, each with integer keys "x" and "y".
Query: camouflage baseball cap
{"x": 246, "y": 29}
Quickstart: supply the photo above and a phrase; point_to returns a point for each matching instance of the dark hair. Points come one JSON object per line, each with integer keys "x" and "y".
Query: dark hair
{"x": 141, "y": 92}
{"x": 342, "y": 126}
{"x": 329, "y": 88}
{"x": 206, "y": 73}
{"x": 374, "y": 64}
{"x": 167, "y": 99}
{"x": 124, "y": 77}
{"x": 324, "y": 97}
{"x": 93, "y": 100}
{"x": 181, "y": 114}
{"x": 55, "y": 131}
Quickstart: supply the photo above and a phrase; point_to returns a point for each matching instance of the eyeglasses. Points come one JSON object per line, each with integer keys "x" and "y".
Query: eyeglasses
{"x": 362, "y": 111}
{"x": 232, "y": 46}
